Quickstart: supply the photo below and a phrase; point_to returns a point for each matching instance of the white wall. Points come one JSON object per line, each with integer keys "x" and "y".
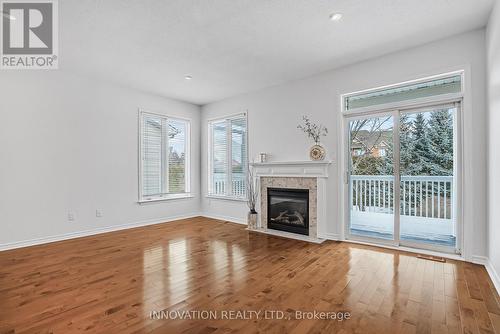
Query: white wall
{"x": 493, "y": 69}
{"x": 70, "y": 144}
{"x": 275, "y": 112}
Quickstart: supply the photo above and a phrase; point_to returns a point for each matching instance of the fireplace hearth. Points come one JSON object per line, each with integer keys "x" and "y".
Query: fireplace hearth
{"x": 308, "y": 179}
{"x": 288, "y": 210}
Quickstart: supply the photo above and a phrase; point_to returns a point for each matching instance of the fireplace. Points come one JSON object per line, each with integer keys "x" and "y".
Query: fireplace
{"x": 288, "y": 210}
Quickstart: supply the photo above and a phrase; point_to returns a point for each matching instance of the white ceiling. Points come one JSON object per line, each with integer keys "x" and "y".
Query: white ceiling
{"x": 231, "y": 47}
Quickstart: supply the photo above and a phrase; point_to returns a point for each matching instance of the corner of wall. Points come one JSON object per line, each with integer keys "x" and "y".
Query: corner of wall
{"x": 492, "y": 262}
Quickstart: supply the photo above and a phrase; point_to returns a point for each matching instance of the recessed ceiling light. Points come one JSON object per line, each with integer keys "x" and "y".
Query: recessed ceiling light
{"x": 335, "y": 17}
{"x": 188, "y": 77}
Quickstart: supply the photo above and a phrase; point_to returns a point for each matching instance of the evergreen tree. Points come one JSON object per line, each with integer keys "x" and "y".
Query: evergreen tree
{"x": 426, "y": 147}
{"x": 440, "y": 136}
{"x": 419, "y": 155}
{"x": 386, "y": 166}
{"x": 405, "y": 143}
{"x": 367, "y": 165}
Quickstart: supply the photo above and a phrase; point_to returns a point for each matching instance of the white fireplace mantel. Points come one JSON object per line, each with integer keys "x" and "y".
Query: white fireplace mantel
{"x": 296, "y": 169}
{"x": 292, "y": 168}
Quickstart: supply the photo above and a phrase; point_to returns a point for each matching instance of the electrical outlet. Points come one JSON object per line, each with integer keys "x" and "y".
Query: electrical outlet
{"x": 98, "y": 213}
{"x": 71, "y": 216}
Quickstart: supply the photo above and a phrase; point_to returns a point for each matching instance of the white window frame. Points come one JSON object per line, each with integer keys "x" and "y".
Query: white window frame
{"x": 417, "y": 102}
{"x": 187, "y": 177}
{"x": 394, "y": 109}
{"x": 227, "y": 119}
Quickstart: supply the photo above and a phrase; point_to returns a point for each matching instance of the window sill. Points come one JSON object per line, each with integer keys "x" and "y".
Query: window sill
{"x": 227, "y": 198}
{"x": 165, "y": 198}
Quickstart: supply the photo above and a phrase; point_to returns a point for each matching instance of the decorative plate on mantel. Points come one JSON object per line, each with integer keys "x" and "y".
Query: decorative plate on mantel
{"x": 317, "y": 152}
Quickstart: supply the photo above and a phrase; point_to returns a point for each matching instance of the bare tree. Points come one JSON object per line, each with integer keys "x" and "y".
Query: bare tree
{"x": 374, "y": 127}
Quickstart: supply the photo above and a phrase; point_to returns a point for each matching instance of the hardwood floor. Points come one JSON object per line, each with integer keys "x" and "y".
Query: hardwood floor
{"x": 111, "y": 282}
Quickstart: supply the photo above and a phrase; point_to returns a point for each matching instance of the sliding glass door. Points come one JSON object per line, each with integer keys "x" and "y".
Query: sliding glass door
{"x": 402, "y": 177}
{"x": 371, "y": 177}
{"x": 427, "y": 166}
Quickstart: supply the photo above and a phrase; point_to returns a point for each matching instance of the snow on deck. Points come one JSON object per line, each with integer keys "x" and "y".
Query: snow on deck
{"x": 419, "y": 229}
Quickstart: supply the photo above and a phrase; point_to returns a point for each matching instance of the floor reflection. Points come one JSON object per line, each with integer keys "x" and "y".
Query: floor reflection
{"x": 111, "y": 283}
{"x": 153, "y": 280}
{"x": 177, "y": 267}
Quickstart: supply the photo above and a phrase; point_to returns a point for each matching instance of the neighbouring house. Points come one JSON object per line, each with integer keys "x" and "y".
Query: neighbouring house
{"x": 374, "y": 144}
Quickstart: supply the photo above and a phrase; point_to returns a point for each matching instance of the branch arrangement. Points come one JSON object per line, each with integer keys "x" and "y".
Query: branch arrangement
{"x": 312, "y": 130}
{"x": 253, "y": 190}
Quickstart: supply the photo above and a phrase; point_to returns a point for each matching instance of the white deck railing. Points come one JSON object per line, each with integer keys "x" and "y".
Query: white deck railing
{"x": 421, "y": 196}
{"x": 238, "y": 185}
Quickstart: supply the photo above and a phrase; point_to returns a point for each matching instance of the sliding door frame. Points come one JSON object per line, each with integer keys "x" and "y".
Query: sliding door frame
{"x": 457, "y": 173}
{"x": 395, "y": 111}
{"x": 347, "y": 175}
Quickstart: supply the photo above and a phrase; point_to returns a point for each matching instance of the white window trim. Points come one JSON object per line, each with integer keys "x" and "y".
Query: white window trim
{"x": 456, "y": 99}
{"x": 210, "y": 155}
{"x": 168, "y": 196}
{"x": 227, "y": 198}
{"x": 164, "y": 198}
{"x": 405, "y": 104}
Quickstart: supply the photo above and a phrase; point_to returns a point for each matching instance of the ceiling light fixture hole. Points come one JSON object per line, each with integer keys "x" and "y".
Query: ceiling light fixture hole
{"x": 335, "y": 17}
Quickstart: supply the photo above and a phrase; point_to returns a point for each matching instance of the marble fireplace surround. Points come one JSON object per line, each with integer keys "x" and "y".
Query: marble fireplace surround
{"x": 309, "y": 175}
{"x": 308, "y": 183}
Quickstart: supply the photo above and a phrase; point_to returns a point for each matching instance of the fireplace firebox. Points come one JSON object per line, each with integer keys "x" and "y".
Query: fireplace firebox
{"x": 288, "y": 210}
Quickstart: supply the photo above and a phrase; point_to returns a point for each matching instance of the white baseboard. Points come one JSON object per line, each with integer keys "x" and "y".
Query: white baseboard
{"x": 329, "y": 236}
{"x": 79, "y": 234}
{"x": 493, "y": 275}
{"x": 479, "y": 260}
{"x": 225, "y": 218}
{"x": 489, "y": 268}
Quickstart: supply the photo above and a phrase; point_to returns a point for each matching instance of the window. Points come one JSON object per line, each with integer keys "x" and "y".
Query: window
{"x": 164, "y": 157}
{"x": 358, "y": 152}
{"x": 410, "y": 134}
{"x": 228, "y": 161}
{"x": 424, "y": 88}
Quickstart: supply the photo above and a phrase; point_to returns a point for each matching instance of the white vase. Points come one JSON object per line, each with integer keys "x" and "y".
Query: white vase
{"x": 317, "y": 152}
